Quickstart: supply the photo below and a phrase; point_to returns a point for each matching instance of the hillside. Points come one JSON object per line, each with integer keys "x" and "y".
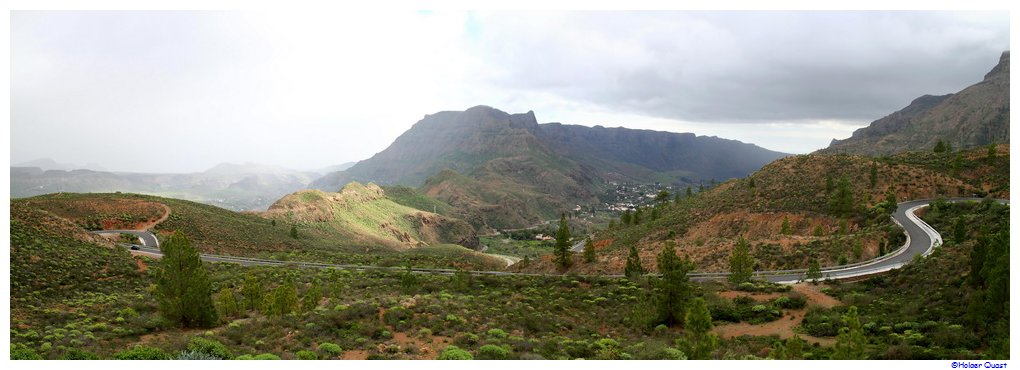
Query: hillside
{"x": 364, "y": 215}
{"x": 510, "y": 160}
{"x": 973, "y": 117}
{"x": 794, "y": 190}
{"x": 240, "y": 187}
{"x": 219, "y": 231}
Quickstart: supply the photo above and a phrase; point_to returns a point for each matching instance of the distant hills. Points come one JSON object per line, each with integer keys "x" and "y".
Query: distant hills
{"x": 507, "y": 170}
{"x": 240, "y": 187}
{"x": 975, "y": 116}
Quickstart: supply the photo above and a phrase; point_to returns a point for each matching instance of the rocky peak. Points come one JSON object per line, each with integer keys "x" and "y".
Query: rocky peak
{"x": 1001, "y": 69}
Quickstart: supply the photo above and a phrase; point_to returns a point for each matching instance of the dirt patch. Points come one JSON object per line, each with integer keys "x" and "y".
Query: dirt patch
{"x": 355, "y": 355}
{"x": 153, "y": 223}
{"x": 814, "y": 295}
{"x": 142, "y": 267}
{"x": 784, "y": 326}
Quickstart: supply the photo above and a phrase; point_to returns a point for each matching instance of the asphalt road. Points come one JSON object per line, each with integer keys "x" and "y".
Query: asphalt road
{"x": 921, "y": 239}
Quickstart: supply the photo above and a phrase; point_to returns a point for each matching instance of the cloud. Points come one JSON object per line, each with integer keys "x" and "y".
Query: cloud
{"x": 183, "y": 91}
{"x": 743, "y": 66}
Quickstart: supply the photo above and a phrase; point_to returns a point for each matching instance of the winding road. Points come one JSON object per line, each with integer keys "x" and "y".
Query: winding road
{"x": 921, "y": 239}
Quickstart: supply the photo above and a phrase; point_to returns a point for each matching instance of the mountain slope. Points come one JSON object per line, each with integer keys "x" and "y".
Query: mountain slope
{"x": 975, "y": 116}
{"x": 498, "y": 161}
{"x": 363, "y": 214}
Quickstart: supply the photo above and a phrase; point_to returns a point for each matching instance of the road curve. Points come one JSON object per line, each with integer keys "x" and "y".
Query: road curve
{"x": 921, "y": 239}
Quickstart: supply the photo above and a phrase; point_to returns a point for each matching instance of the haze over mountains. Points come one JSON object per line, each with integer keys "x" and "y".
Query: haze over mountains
{"x": 239, "y": 187}
{"x": 976, "y": 116}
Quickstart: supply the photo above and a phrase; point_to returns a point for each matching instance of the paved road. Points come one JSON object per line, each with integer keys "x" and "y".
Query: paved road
{"x": 921, "y": 239}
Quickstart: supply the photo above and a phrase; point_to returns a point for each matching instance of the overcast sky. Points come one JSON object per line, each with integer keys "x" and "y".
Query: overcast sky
{"x": 183, "y": 91}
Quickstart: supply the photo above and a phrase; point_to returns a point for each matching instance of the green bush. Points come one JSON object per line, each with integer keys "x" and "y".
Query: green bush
{"x": 455, "y": 353}
{"x": 306, "y": 355}
{"x": 330, "y": 349}
{"x": 210, "y": 347}
{"x": 22, "y": 353}
{"x": 492, "y": 352}
{"x": 142, "y": 353}
{"x": 195, "y": 355}
{"x": 497, "y": 333}
{"x": 77, "y": 354}
{"x": 267, "y": 356}
{"x": 244, "y": 357}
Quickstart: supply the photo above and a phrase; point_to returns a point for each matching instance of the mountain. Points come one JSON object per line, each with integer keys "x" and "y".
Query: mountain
{"x": 973, "y": 117}
{"x": 241, "y": 187}
{"x": 49, "y": 164}
{"x": 507, "y": 170}
{"x": 334, "y": 168}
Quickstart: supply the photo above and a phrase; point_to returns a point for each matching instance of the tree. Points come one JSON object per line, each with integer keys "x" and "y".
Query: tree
{"x": 625, "y": 217}
{"x": 858, "y": 250}
{"x": 633, "y": 269}
{"x": 293, "y": 232}
{"x": 828, "y": 184}
{"x": 992, "y": 154}
{"x": 814, "y": 272}
{"x": 842, "y": 202}
{"x": 183, "y": 289}
{"x": 873, "y": 176}
{"x": 851, "y": 341}
{"x": 612, "y": 224}
{"x": 312, "y": 297}
{"x": 636, "y": 219}
{"x": 794, "y": 348}
{"x": 940, "y": 146}
{"x": 700, "y": 341}
{"x": 655, "y": 214}
{"x": 662, "y": 196}
{"x": 890, "y": 201}
{"x": 741, "y": 263}
{"x": 786, "y": 229}
{"x": 252, "y": 292}
{"x": 674, "y": 287}
{"x": 959, "y": 231}
{"x": 285, "y": 298}
{"x": 589, "y": 251}
{"x": 563, "y": 243}
{"x": 690, "y": 193}
{"x": 227, "y": 302}
{"x": 272, "y": 223}
{"x": 676, "y": 198}
{"x": 957, "y": 164}
{"x": 750, "y": 182}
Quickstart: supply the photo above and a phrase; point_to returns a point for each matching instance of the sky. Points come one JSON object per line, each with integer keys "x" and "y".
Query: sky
{"x": 176, "y": 91}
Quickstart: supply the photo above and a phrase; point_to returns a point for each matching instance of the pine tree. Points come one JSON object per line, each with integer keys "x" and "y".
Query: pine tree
{"x": 625, "y": 217}
{"x": 890, "y": 201}
{"x": 794, "y": 348}
{"x": 842, "y": 202}
{"x": 741, "y": 263}
{"x": 700, "y": 341}
{"x": 633, "y": 269}
{"x": 285, "y": 298}
{"x": 312, "y": 297}
{"x": 851, "y": 341}
{"x": 814, "y": 272}
{"x": 662, "y": 196}
{"x": 750, "y": 182}
{"x": 636, "y": 219}
{"x": 940, "y": 146}
{"x": 992, "y": 154}
{"x": 253, "y": 293}
{"x": 563, "y": 243}
{"x": 828, "y": 184}
{"x": 699, "y": 319}
{"x": 690, "y": 193}
{"x": 957, "y": 164}
{"x": 183, "y": 289}
{"x": 227, "y": 303}
{"x": 676, "y": 198}
{"x": 858, "y": 250}
{"x": 589, "y": 251}
{"x": 873, "y": 176}
{"x": 655, "y": 214}
{"x": 674, "y": 287}
{"x": 786, "y": 229}
{"x": 293, "y": 232}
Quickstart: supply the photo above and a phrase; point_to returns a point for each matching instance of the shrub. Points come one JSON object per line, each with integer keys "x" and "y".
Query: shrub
{"x": 245, "y": 357}
{"x": 77, "y": 354}
{"x": 330, "y": 349}
{"x": 22, "y": 353}
{"x": 493, "y": 352}
{"x": 210, "y": 347}
{"x": 455, "y": 353}
{"x": 195, "y": 355}
{"x": 673, "y": 354}
{"x": 497, "y": 333}
{"x": 306, "y": 355}
{"x": 142, "y": 353}
{"x": 267, "y": 356}
{"x": 793, "y": 302}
